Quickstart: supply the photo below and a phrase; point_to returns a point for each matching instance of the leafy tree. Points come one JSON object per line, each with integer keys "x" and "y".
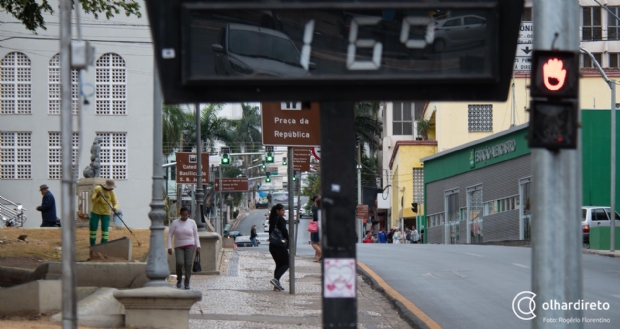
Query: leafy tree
{"x": 368, "y": 128}
{"x": 30, "y": 13}
{"x": 313, "y": 187}
{"x": 173, "y": 124}
{"x": 370, "y": 170}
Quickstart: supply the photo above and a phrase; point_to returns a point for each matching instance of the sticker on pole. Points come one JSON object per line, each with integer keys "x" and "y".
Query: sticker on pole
{"x": 340, "y": 278}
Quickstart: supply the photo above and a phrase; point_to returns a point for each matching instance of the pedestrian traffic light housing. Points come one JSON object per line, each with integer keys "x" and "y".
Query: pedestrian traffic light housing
{"x": 268, "y": 178}
{"x": 555, "y": 74}
{"x": 554, "y": 108}
{"x": 269, "y": 158}
{"x": 294, "y": 176}
{"x": 264, "y": 165}
{"x": 284, "y": 161}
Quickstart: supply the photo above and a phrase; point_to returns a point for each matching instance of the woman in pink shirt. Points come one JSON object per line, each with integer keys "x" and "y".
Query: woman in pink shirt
{"x": 185, "y": 233}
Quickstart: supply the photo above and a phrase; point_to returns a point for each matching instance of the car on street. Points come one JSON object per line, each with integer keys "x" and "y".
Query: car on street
{"x": 232, "y": 234}
{"x": 459, "y": 31}
{"x": 243, "y": 241}
{"x": 595, "y": 216}
{"x": 262, "y": 238}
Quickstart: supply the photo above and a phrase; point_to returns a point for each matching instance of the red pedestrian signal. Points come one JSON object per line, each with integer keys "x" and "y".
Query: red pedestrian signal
{"x": 555, "y": 74}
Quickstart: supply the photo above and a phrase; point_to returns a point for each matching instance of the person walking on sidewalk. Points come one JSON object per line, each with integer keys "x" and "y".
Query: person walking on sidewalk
{"x": 315, "y": 237}
{"x": 103, "y": 198}
{"x": 382, "y": 237}
{"x": 47, "y": 207}
{"x": 253, "y": 236}
{"x": 186, "y": 243}
{"x": 279, "y": 254}
{"x": 415, "y": 236}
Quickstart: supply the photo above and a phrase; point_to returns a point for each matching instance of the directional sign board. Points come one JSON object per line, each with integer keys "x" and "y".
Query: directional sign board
{"x": 361, "y": 211}
{"x": 525, "y": 47}
{"x": 340, "y": 50}
{"x": 232, "y": 184}
{"x": 291, "y": 124}
{"x": 301, "y": 159}
{"x": 187, "y": 163}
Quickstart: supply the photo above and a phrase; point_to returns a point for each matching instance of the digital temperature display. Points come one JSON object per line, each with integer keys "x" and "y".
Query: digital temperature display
{"x": 358, "y": 44}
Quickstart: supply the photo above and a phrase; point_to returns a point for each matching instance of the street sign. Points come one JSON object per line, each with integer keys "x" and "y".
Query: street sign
{"x": 332, "y": 50}
{"x": 361, "y": 211}
{"x": 286, "y": 126}
{"x": 186, "y": 168}
{"x": 316, "y": 151}
{"x": 273, "y": 171}
{"x": 525, "y": 47}
{"x": 232, "y": 184}
{"x": 301, "y": 159}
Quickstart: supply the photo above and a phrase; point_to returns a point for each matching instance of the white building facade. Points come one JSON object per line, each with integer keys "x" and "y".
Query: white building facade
{"x": 119, "y": 93}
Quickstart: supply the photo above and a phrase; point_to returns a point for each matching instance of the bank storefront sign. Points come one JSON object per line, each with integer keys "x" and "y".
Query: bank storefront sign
{"x": 491, "y": 152}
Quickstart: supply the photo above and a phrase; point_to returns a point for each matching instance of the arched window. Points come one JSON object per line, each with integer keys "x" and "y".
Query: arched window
{"x": 15, "y": 87}
{"x": 54, "y": 87}
{"x": 111, "y": 85}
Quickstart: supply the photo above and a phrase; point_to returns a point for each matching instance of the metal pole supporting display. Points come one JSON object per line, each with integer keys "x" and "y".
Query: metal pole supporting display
{"x": 199, "y": 216}
{"x": 222, "y": 224}
{"x": 291, "y": 223}
{"x": 556, "y": 237}
{"x": 360, "y": 222}
{"x": 69, "y": 278}
{"x": 338, "y": 211}
{"x": 612, "y": 214}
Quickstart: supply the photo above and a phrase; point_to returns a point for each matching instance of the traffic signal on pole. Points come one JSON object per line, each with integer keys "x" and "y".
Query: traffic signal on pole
{"x": 414, "y": 207}
{"x": 294, "y": 176}
{"x": 554, "y": 108}
{"x": 555, "y": 74}
{"x": 225, "y": 157}
{"x": 284, "y": 161}
{"x": 269, "y": 158}
{"x": 264, "y": 165}
{"x": 268, "y": 178}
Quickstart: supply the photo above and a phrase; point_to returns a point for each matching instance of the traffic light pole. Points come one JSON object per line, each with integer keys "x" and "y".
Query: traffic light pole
{"x": 556, "y": 233}
{"x": 199, "y": 215}
{"x": 338, "y": 212}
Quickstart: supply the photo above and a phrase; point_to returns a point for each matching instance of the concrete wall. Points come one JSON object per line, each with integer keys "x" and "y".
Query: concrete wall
{"x": 128, "y": 37}
{"x": 34, "y": 298}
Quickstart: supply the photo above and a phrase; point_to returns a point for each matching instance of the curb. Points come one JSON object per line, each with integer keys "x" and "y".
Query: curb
{"x": 404, "y": 312}
{"x": 238, "y": 221}
{"x": 600, "y": 253}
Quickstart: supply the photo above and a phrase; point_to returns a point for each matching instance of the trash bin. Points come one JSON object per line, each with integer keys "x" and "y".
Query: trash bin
{"x": 117, "y": 220}
{"x": 600, "y": 238}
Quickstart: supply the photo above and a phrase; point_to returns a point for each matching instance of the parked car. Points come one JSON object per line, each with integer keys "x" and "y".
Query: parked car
{"x": 263, "y": 237}
{"x": 459, "y": 31}
{"x": 243, "y": 241}
{"x": 232, "y": 234}
{"x": 595, "y": 216}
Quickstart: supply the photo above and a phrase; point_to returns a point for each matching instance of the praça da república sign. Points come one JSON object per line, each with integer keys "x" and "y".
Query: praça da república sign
{"x": 334, "y": 50}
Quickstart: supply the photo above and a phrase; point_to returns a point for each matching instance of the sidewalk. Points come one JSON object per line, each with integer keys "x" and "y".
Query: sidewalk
{"x": 243, "y": 298}
{"x": 602, "y": 252}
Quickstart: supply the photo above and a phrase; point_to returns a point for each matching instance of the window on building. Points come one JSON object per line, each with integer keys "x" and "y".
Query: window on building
{"x": 15, "y": 84}
{"x": 402, "y": 123}
{"x": 54, "y": 154}
{"x": 613, "y": 59}
{"x": 613, "y": 25}
{"x": 591, "y": 24}
{"x": 15, "y": 155}
{"x": 54, "y": 87}
{"x": 418, "y": 186}
{"x": 111, "y": 85}
{"x": 527, "y": 15}
{"x": 113, "y": 156}
{"x": 480, "y": 117}
{"x": 501, "y": 205}
{"x": 586, "y": 61}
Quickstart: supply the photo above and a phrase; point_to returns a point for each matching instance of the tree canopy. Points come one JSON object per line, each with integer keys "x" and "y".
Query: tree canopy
{"x": 30, "y": 12}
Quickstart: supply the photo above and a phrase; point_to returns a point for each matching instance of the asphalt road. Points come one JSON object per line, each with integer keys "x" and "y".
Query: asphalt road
{"x": 474, "y": 286}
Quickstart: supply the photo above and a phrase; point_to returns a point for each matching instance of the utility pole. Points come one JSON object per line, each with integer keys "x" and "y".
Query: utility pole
{"x": 199, "y": 216}
{"x": 612, "y": 215}
{"x": 221, "y": 204}
{"x": 291, "y": 223}
{"x": 338, "y": 210}
{"x": 557, "y": 237}
{"x": 69, "y": 279}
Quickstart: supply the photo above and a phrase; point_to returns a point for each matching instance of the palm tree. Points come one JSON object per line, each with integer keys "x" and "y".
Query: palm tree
{"x": 174, "y": 122}
{"x": 246, "y": 131}
{"x": 368, "y": 128}
{"x": 212, "y": 127}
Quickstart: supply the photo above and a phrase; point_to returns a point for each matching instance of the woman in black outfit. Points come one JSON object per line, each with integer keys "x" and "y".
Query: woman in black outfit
{"x": 279, "y": 254}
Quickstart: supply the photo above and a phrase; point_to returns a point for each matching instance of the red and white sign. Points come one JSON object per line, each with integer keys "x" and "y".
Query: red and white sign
{"x": 316, "y": 151}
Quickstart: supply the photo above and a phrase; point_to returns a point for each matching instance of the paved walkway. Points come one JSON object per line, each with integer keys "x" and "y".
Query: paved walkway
{"x": 243, "y": 298}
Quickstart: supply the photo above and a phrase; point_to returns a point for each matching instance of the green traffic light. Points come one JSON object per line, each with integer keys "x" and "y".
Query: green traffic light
{"x": 269, "y": 158}
{"x": 225, "y": 160}
{"x": 294, "y": 178}
{"x": 268, "y": 179}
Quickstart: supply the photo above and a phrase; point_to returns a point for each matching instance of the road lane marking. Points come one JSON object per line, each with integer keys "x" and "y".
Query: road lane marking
{"x": 474, "y": 255}
{"x": 394, "y": 294}
{"x": 617, "y": 296}
{"x": 520, "y": 265}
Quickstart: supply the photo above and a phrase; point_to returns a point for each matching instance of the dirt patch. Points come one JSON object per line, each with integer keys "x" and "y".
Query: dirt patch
{"x": 44, "y": 245}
